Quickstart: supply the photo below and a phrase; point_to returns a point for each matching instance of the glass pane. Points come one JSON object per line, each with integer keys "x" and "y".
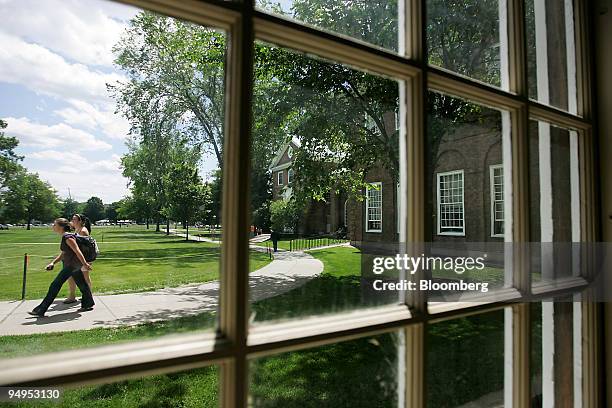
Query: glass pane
{"x": 188, "y": 389}
{"x": 468, "y": 37}
{"x": 551, "y": 53}
{"x": 555, "y": 355}
{"x": 121, "y": 125}
{"x": 372, "y": 21}
{"x": 335, "y": 129}
{"x": 357, "y": 373}
{"x": 465, "y": 362}
{"x": 468, "y": 178}
{"x": 555, "y": 201}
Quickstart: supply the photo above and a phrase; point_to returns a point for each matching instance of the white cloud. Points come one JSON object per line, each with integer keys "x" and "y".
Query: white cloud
{"x": 82, "y": 30}
{"x": 61, "y": 135}
{"x": 75, "y": 174}
{"x": 54, "y": 155}
{"x": 88, "y": 116}
{"x": 45, "y": 72}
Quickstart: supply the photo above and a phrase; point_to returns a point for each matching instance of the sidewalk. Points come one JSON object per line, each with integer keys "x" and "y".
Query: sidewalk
{"x": 287, "y": 271}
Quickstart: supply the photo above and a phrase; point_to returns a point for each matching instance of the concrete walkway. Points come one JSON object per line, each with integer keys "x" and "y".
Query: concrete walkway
{"x": 287, "y": 271}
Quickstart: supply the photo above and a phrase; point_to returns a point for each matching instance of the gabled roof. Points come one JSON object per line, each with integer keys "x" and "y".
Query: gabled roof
{"x": 294, "y": 141}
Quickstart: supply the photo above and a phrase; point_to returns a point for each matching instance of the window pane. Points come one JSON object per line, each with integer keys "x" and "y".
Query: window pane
{"x": 465, "y": 362}
{"x": 334, "y": 127}
{"x": 468, "y": 37}
{"x": 122, "y": 124}
{"x": 555, "y": 353}
{"x": 555, "y": 201}
{"x": 188, "y": 389}
{"x": 372, "y": 21}
{"x": 357, "y": 373}
{"x": 551, "y": 54}
{"x": 468, "y": 177}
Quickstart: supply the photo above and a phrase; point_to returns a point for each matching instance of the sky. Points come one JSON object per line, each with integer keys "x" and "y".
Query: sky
{"x": 55, "y": 62}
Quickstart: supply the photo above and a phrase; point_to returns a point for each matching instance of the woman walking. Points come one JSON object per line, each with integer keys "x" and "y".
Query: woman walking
{"x": 82, "y": 226}
{"x": 74, "y": 262}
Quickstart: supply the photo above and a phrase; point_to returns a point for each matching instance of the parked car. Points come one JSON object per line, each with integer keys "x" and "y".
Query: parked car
{"x": 4, "y": 227}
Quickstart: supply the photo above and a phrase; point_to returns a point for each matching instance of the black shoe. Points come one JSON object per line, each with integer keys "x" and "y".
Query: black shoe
{"x": 85, "y": 309}
{"x": 36, "y": 313}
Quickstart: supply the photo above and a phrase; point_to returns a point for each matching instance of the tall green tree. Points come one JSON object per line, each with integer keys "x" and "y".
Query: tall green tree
{"x": 28, "y": 198}
{"x": 9, "y": 160}
{"x": 69, "y": 208}
{"x": 94, "y": 209}
{"x": 187, "y": 195}
{"x": 177, "y": 68}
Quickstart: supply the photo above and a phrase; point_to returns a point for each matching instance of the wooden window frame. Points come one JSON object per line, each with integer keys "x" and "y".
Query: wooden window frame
{"x": 235, "y": 341}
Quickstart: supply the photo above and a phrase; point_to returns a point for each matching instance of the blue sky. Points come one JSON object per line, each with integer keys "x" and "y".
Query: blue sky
{"x": 55, "y": 62}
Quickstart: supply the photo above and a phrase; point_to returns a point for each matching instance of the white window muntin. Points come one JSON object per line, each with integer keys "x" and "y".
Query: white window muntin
{"x": 496, "y": 186}
{"x": 450, "y": 205}
{"x": 280, "y": 179}
{"x": 374, "y": 207}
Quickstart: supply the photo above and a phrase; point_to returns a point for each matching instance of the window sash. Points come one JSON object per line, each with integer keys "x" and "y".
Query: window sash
{"x": 374, "y": 207}
{"x": 450, "y": 203}
{"x": 496, "y": 186}
{"x": 233, "y": 346}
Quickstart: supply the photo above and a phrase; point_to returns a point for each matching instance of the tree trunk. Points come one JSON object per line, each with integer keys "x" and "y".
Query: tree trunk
{"x": 29, "y": 224}
{"x": 186, "y": 231}
{"x": 157, "y": 222}
{"x": 167, "y": 227}
{"x": 147, "y": 223}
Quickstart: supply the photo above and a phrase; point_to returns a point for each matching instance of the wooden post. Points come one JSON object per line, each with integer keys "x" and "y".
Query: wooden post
{"x": 25, "y": 271}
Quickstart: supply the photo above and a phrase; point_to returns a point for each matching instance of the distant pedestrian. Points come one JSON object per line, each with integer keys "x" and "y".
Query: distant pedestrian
{"x": 73, "y": 262}
{"x": 274, "y": 236}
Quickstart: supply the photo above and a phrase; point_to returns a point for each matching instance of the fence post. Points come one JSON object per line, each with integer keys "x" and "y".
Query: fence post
{"x": 25, "y": 271}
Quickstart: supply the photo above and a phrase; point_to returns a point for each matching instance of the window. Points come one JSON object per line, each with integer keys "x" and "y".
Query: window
{"x": 462, "y": 62}
{"x": 450, "y": 203}
{"x": 374, "y": 207}
{"x": 497, "y": 200}
{"x": 289, "y": 176}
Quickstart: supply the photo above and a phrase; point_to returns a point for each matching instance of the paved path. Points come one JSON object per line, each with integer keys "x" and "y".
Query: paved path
{"x": 287, "y": 271}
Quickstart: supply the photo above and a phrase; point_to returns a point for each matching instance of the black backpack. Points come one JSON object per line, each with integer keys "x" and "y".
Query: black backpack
{"x": 88, "y": 246}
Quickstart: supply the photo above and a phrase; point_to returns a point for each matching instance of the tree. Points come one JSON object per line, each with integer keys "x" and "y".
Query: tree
{"x": 177, "y": 68}
{"x": 8, "y": 158}
{"x": 28, "y": 198}
{"x": 94, "y": 209}
{"x": 69, "y": 208}
{"x": 186, "y": 194}
{"x": 284, "y": 215}
{"x": 110, "y": 211}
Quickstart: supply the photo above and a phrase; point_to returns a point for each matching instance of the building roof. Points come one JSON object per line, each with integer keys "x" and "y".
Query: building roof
{"x": 294, "y": 141}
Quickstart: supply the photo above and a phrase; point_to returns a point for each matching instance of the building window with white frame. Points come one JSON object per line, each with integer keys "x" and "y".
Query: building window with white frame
{"x": 497, "y": 200}
{"x": 281, "y": 179}
{"x": 374, "y": 207}
{"x": 289, "y": 176}
{"x": 451, "y": 214}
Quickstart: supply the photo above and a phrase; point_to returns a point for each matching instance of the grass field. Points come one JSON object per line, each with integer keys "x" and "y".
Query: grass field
{"x": 359, "y": 373}
{"x": 132, "y": 259}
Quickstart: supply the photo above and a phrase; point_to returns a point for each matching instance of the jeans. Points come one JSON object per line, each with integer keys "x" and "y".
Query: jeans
{"x": 87, "y": 299}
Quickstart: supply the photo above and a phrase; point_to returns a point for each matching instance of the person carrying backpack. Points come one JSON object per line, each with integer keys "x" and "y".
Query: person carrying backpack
{"x": 73, "y": 265}
{"x": 82, "y": 228}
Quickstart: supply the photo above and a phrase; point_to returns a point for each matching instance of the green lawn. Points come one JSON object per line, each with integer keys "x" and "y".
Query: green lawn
{"x": 359, "y": 373}
{"x": 132, "y": 259}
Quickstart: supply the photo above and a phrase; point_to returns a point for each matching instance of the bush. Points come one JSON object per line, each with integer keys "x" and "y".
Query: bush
{"x": 284, "y": 215}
